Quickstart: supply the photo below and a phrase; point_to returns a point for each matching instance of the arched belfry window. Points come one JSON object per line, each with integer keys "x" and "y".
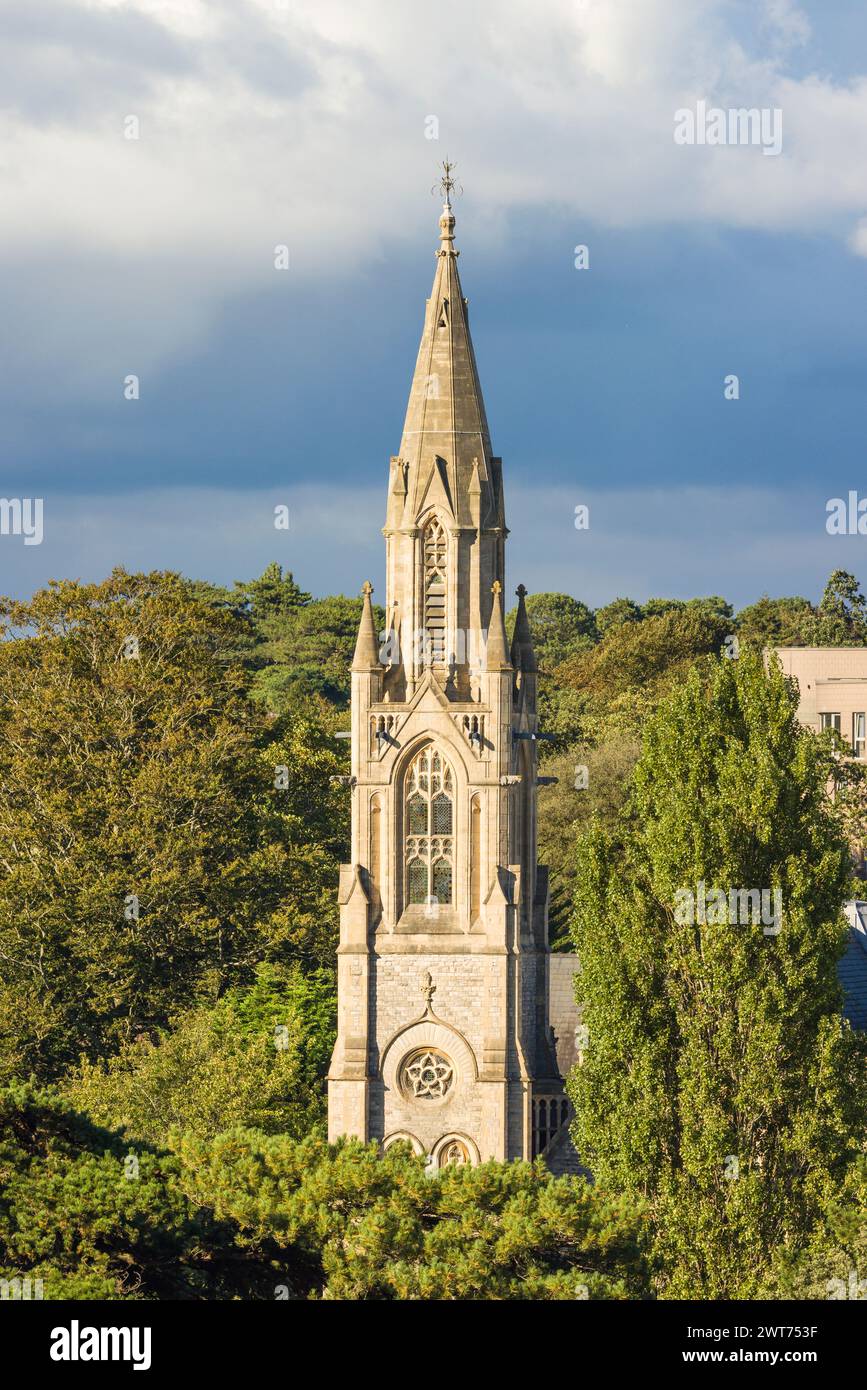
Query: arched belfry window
{"x": 435, "y": 555}
{"x": 429, "y": 829}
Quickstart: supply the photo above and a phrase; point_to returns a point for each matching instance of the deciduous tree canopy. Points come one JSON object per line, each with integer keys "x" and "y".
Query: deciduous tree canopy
{"x": 148, "y": 858}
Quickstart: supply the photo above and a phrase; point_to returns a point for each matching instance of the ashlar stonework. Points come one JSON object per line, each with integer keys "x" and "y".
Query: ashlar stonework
{"x": 444, "y": 1037}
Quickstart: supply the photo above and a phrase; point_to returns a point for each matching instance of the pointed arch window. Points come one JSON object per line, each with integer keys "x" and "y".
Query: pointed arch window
{"x": 435, "y": 546}
{"x": 429, "y": 830}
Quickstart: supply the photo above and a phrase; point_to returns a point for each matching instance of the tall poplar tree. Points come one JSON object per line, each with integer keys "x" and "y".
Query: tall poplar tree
{"x": 719, "y": 1078}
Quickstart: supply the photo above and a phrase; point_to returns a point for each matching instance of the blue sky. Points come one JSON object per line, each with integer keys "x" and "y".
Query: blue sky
{"x": 261, "y": 125}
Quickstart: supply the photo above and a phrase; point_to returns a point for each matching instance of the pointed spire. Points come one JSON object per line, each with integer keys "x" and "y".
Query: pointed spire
{"x": 445, "y": 427}
{"x": 523, "y": 655}
{"x": 496, "y": 654}
{"x": 366, "y": 656}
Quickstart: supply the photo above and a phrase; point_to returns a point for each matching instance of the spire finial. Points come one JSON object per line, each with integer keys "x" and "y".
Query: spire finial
{"x": 448, "y": 182}
{"x": 496, "y": 587}
{"x": 367, "y": 587}
{"x": 521, "y": 591}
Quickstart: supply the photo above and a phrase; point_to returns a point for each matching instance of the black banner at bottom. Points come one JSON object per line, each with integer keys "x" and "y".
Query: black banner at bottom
{"x": 83, "y": 1339}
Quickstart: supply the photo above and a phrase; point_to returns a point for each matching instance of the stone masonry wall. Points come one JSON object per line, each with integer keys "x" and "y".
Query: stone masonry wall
{"x": 396, "y": 1002}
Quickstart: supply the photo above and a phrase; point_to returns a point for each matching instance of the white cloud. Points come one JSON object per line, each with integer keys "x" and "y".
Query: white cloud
{"x": 261, "y": 122}
{"x": 302, "y": 122}
{"x": 788, "y": 21}
{"x": 858, "y": 239}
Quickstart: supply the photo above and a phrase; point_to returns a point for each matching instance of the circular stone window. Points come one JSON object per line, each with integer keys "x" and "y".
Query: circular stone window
{"x": 427, "y": 1074}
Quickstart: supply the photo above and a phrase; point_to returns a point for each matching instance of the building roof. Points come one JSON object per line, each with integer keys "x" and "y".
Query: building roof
{"x": 853, "y": 966}
{"x": 564, "y": 1013}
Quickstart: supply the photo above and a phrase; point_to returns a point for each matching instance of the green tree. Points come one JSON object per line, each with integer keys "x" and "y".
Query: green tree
{"x": 616, "y": 613}
{"x": 97, "y": 1215}
{"x": 311, "y": 652}
{"x": 842, "y": 616}
{"x": 720, "y": 1080}
{"x": 625, "y": 676}
{"x": 849, "y": 782}
{"x": 712, "y": 605}
{"x": 94, "y": 1216}
{"x": 306, "y": 814}
{"x": 378, "y": 1227}
{"x": 592, "y": 784}
{"x": 656, "y": 607}
{"x": 561, "y": 626}
{"x": 259, "y": 607}
{"x": 777, "y": 622}
{"x": 257, "y": 1058}
{"x": 147, "y": 860}
{"x": 834, "y": 1265}
{"x": 271, "y": 598}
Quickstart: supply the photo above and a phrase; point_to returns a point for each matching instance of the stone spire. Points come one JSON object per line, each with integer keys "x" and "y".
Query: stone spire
{"x": 366, "y": 656}
{"x": 445, "y": 448}
{"x": 497, "y": 657}
{"x": 442, "y": 877}
{"x": 522, "y": 653}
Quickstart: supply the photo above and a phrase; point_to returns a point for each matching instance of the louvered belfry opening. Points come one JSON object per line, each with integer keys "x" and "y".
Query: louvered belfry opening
{"x": 429, "y": 829}
{"x": 435, "y": 557}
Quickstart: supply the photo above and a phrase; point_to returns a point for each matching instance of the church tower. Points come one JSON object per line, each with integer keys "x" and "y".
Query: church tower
{"x": 443, "y": 1032}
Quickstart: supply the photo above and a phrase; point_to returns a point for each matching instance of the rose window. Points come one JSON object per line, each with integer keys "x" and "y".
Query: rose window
{"x": 427, "y": 1075}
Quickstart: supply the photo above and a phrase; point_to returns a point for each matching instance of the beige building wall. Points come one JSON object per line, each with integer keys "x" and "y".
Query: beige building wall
{"x": 832, "y": 685}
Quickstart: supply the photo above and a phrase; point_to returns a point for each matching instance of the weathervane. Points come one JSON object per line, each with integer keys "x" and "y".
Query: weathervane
{"x": 448, "y": 182}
